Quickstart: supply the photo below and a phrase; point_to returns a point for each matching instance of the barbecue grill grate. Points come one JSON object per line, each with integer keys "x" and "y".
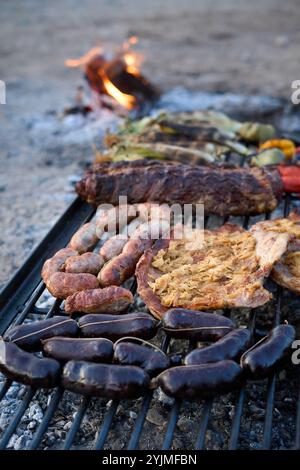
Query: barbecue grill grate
{"x": 19, "y": 301}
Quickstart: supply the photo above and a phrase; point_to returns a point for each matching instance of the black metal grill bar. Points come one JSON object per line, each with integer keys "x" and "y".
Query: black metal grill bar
{"x": 17, "y": 418}
{"x": 52, "y": 407}
{"x": 76, "y": 423}
{"x": 171, "y": 425}
{"x": 106, "y": 425}
{"x": 200, "y": 443}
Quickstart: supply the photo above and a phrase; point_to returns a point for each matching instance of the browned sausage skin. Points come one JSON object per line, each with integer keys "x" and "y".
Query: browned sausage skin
{"x": 90, "y": 263}
{"x": 122, "y": 267}
{"x": 110, "y": 299}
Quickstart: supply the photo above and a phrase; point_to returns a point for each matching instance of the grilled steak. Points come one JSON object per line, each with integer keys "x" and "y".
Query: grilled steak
{"x": 286, "y": 272}
{"x": 222, "y": 190}
{"x": 226, "y": 270}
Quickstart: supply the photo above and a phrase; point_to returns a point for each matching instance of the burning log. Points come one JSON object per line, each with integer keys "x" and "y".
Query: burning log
{"x": 119, "y": 78}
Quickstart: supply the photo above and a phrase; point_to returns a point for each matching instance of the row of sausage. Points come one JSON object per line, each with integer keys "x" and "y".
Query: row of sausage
{"x": 83, "y": 358}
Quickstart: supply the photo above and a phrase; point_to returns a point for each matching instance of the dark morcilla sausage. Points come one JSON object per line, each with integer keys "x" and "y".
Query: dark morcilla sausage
{"x": 153, "y": 361}
{"x": 268, "y": 354}
{"x": 103, "y": 380}
{"x": 192, "y": 324}
{"x": 114, "y": 327}
{"x": 27, "y": 368}
{"x": 200, "y": 381}
{"x": 79, "y": 349}
{"x": 29, "y": 335}
{"x": 230, "y": 346}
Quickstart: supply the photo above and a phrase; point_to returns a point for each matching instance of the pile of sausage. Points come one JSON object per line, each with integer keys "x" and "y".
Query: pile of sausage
{"x": 107, "y": 355}
{"x": 90, "y": 281}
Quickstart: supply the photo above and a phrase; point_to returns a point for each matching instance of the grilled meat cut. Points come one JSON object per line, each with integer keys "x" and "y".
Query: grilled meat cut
{"x": 222, "y": 190}
{"x": 226, "y": 270}
{"x": 286, "y": 272}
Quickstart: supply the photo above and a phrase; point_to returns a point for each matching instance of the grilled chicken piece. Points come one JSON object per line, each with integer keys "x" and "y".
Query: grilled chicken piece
{"x": 209, "y": 270}
{"x": 286, "y": 272}
{"x": 222, "y": 190}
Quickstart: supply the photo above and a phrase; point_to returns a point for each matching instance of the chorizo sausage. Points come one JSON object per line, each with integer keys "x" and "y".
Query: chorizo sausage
{"x": 103, "y": 380}
{"x": 110, "y": 299}
{"x": 192, "y": 324}
{"x": 61, "y": 285}
{"x": 27, "y": 368}
{"x": 29, "y": 335}
{"x": 113, "y": 246}
{"x": 268, "y": 354}
{"x": 86, "y": 263}
{"x": 200, "y": 381}
{"x": 230, "y": 346}
{"x": 122, "y": 267}
{"x": 85, "y": 238}
{"x": 56, "y": 263}
{"x": 114, "y": 327}
{"x": 79, "y": 349}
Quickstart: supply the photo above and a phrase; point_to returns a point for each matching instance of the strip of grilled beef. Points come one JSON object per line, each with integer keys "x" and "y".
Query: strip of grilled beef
{"x": 222, "y": 190}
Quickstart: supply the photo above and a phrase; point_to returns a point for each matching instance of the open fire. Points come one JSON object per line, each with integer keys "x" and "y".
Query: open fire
{"x": 117, "y": 79}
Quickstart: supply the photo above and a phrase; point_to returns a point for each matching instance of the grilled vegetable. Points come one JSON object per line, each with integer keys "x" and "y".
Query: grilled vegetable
{"x": 200, "y": 381}
{"x": 256, "y": 132}
{"x": 110, "y": 299}
{"x": 26, "y": 368}
{"x": 287, "y": 146}
{"x": 149, "y": 358}
{"x": 268, "y": 157}
{"x": 79, "y": 349}
{"x": 268, "y": 354}
{"x": 113, "y": 327}
{"x": 230, "y": 347}
{"x": 290, "y": 175}
{"x": 192, "y": 324}
{"x": 29, "y": 336}
{"x": 102, "y": 380}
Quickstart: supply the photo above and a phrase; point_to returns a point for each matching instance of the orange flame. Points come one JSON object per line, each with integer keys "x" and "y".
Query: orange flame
{"x": 128, "y": 101}
{"x": 84, "y": 59}
{"x": 132, "y": 62}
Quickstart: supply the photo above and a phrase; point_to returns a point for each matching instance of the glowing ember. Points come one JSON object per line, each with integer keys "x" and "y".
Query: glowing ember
{"x": 128, "y": 101}
{"x": 118, "y": 77}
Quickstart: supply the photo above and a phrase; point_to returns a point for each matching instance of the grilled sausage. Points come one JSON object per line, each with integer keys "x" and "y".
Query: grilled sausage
{"x": 268, "y": 354}
{"x": 113, "y": 246}
{"x": 122, "y": 267}
{"x": 192, "y": 324}
{"x": 85, "y": 238}
{"x": 29, "y": 335}
{"x": 115, "y": 218}
{"x": 110, "y": 299}
{"x": 102, "y": 380}
{"x": 200, "y": 381}
{"x": 56, "y": 263}
{"x": 79, "y": 349}
{"x": 61, "y": 285}
{"x": 87, "y": 263}
{"x": 230, "y": 346}
{"x": 26, "y": 368}
{"x": 153, "y": 361}
{"x": 113, "y": 327}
